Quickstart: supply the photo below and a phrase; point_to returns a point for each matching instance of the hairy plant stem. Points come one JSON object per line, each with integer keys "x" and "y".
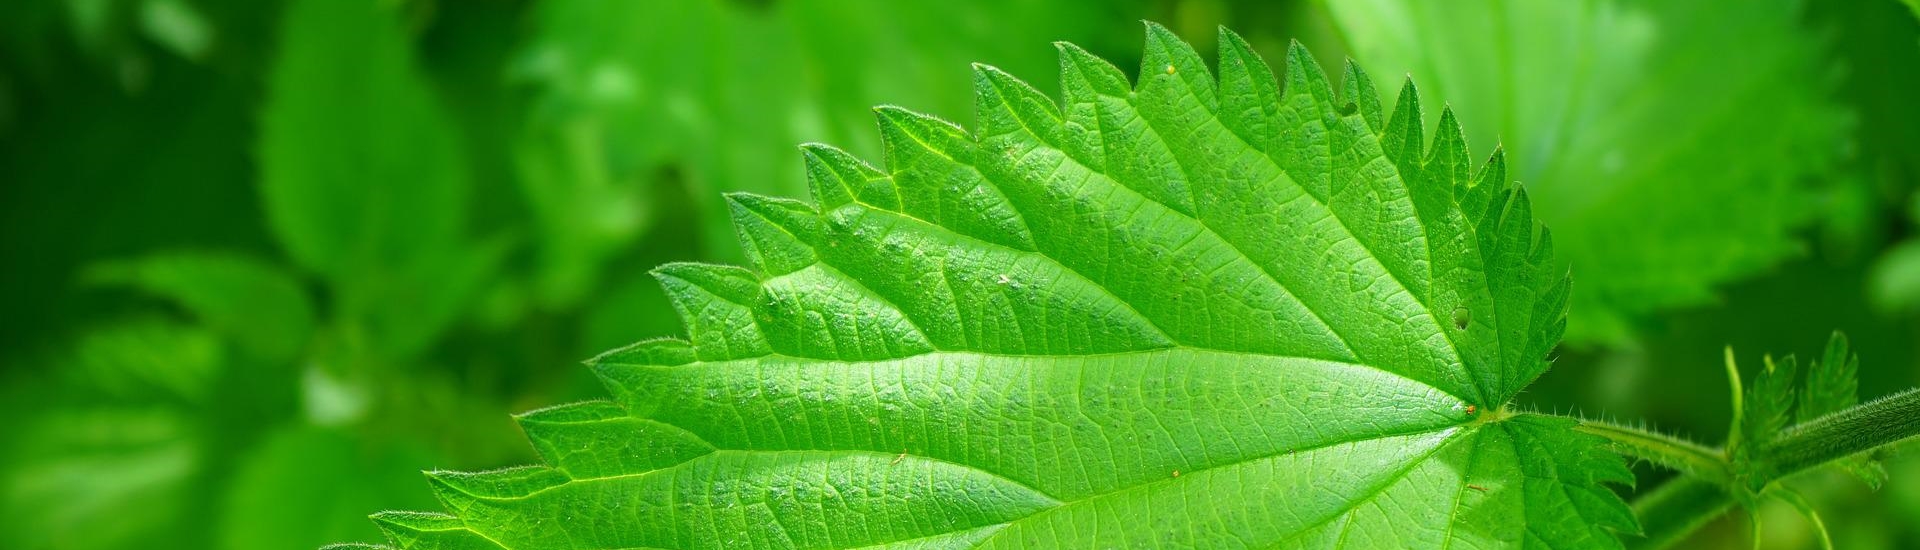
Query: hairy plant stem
{"x": 1845, "y": 433}
{"x": 1705, "y": 490}
{"x": 1687, "y": 457}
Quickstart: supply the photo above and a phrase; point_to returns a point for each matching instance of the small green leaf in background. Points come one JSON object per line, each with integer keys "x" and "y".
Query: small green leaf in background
{"x": 629, "y": 95}
{"x": 178, "y": 26}
{"x": 1671, "y": 145}
{"x": 97, "y": 478}
{"x": 1894, "y": 283}
{"x": 149, "y": 360}
{"x": 262, "y": 308}
{"x": 115, "y": 455}
{"x": 362, "y": 177}
{"x": 1895, "y": 286}
{"x": 301, "y": 488}
{"x": 1186, "y": 312}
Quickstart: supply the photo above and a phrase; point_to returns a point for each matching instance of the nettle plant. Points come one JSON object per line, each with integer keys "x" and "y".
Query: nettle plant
{"x": 1186, "y": 312}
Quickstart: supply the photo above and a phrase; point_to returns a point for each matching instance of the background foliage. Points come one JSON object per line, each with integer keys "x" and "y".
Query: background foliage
{"x": 266, "y": 260}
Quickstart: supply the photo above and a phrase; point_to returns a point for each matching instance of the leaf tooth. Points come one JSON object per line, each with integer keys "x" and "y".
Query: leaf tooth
{"x": 461, "y": 491}
{"x": 731, "y": 283}
{"x": 426, "y": 531}
{"x": 1169, "y": 57}
{"x": 1403, "y": 140}
{"x": 1357, "y": 93}
{"x": 1008, "y": 105}
{"x": 1448, "y": 160}
{"x": 1515, "y": 230}
{"x": 902, "y": 130}
{"x": 937, "y": 164}
{"x": 1541, "y": 255}
{"x": 663, "y": 351}
{"x": 716, "y": 304}
{"x": 836, "y": 178}
{"x": 1083, "y": 75}
{"x": 1249, "y": 94}
{"x": 1304, "y": 75}
{"x": 1547, "y": 323}
{"x": 595, "y": 439}
{"x": 415, "y": 522}
{"x": 1477, "y": 198}
{"x": 1311, "y": 125}
{"x": 777, "y": 234}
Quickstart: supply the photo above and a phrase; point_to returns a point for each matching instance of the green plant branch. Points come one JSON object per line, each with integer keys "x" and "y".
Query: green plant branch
{"x": 1845, "y": 433}
{"x": 1675, "y": 509}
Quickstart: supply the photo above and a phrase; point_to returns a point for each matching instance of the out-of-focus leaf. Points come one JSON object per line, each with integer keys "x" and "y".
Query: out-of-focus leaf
{"x": 305, "y": 487}
{"x": 362, "y": 176}
{"x": 109, "y": 446}
{"x": 262, "y": 308}
{"x": 714, "y": 94}
{"x": 148, "y": 360}
{"x": 403, "y": 312}
{"x": 359, "y": 170}
{"x": 92, "y": 21}
{"x": 1895, "y": 282}
{"x": 95, "y": 478}
{"x": 1875, "y": 48}
{"x": 583, "y": 214}
{"x": 176, "y": 25}
{"x": 1667, "y": 143}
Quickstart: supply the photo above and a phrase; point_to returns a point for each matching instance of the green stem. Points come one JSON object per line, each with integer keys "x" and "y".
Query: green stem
{"x": 1739, "y": 407}
{"x": 1687, "y": 457}
{"x": 1856, "y": 430}
{"x": 1800, "y": 503}
{"x": 1675, "y": 509}
{"x": 1672, "y": 511}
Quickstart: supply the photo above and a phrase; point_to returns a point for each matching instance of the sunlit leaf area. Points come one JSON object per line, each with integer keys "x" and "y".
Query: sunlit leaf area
{"x": 995, "y": 273}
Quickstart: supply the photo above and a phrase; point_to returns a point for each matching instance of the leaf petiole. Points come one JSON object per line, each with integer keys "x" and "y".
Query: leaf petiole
{"x": 1685, "y": 456}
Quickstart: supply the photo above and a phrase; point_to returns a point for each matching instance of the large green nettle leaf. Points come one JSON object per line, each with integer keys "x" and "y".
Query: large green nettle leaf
{"x": 1186, "y": 313}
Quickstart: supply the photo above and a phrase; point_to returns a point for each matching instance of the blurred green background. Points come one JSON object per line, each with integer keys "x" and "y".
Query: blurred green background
{"x": 264, "y": 260}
